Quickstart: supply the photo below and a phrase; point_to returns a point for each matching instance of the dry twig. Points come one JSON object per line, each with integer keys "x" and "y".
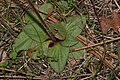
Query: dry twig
{"x": 96, "y": 53}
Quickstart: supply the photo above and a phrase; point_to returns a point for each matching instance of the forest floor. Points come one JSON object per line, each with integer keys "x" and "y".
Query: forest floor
{"x": 99, "y": 40}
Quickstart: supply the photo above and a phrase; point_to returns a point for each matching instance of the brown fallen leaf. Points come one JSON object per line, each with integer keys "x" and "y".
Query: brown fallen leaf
{"x": 115, "y": 22}
{"x": 107, "y": 24}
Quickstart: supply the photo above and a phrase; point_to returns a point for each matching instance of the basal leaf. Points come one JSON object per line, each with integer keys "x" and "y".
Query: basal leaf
{"x": 45, "y": 47}
{"x": 77, "y": 54}
{"x": 32, "y": 36}
{"x": 46, "y": 8}
{"x": 74, "y": 26}
{"x": 41, "y": 50}
{"x": 63, "y": 5}
{"x": 23, "y": 42}
{"x": 35, "y": 32}
{"x": 57, "y": 57}
{"x": 69, "y": 41}
{"x": 34, "y": 29}
{"x": 58, "y": 30}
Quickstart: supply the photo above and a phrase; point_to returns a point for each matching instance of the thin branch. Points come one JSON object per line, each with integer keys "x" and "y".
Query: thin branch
{"x": 117, "y": 4}
{"x": 97, "y": 44}
{"x": 93, "y": 3}
{"x": 49, "y": 32}
{"x": 40, "y": 22}
{"x": 96, "y": 53}
{"x": 20, "y": 77}
{"x": 14, "y": 71}
{"x": 10, "y": 70}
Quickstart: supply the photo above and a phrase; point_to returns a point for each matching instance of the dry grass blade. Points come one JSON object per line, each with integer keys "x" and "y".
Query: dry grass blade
{"x": 117, "y": 4}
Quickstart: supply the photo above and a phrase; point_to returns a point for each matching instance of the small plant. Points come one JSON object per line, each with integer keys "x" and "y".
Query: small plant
{"x": 34, "y": 37}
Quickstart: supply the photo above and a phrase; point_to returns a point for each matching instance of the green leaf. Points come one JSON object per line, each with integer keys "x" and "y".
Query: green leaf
{"x": 35, "y": 32}
{"x": 13, "y": 55}
{"x": 32, "y": 35}
{"x": 77, "y": 54}
{"x": 23, "y": 42}
{"x": 34, "y": 55}
{"x": 63, "y": 5}
{"x": 46, "y": 8}
{"x": 58, "y": 30}
{"x": 57, "y": 57}
{"x": 74, "y": 26}
{"x": 69, "y": 41}
{"x": 45, "y": 47}
{"x": 4, "y": 64}
{"x": 34, "y": 29}
{"x": 41, "y": 51}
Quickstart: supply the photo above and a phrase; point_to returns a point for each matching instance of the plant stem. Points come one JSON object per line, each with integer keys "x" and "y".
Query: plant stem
{"x": 49, "y": 32}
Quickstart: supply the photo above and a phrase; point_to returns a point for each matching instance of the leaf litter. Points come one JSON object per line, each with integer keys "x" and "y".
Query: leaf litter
{"x": 114, "y": 23}
{"x": 83, "y": 68}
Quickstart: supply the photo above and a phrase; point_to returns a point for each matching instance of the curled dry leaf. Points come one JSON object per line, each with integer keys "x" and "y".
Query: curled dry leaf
{"x": 104, "y": 22}
{"x": 107, "y": 24}
{"x": 116, "y": 22}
